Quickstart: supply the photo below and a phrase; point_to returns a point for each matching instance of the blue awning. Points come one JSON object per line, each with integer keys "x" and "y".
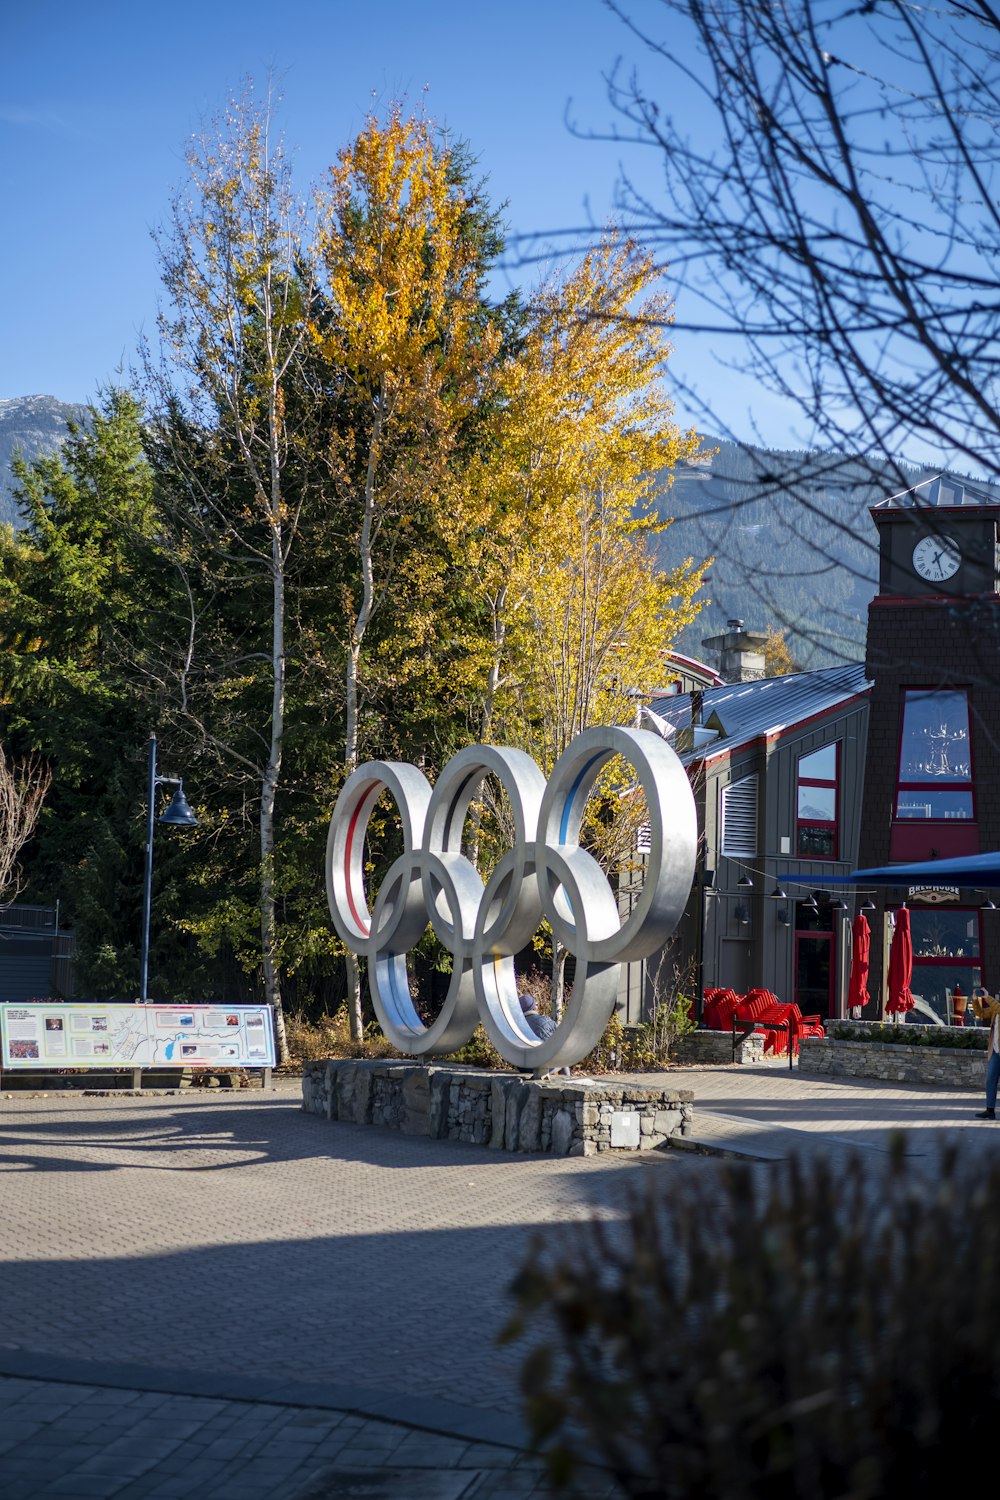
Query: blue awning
{"x": 981, "y": 870}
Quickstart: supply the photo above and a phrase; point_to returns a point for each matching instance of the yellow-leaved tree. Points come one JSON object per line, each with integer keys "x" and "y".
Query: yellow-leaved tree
{"x": 402, "y": 333}
{"x": 580, "y": 609}
{"x": 778, "y": 658}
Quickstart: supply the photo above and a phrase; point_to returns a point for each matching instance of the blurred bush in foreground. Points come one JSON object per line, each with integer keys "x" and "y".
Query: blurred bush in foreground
{"x": 797, "y": 1333}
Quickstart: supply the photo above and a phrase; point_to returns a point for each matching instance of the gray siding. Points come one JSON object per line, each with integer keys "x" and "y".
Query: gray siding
{"x": 762, "y": 953}
{"x": 25, "y": 967}
{"x": 37, "y": 958}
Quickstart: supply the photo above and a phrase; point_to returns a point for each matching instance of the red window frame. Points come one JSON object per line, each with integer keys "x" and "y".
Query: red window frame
{"x": 968, "y": 786}
{"x": 821, "y": 823}
{"x": 971, "y": 961}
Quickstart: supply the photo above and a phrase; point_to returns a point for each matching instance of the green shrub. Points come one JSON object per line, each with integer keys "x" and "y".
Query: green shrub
{"x": 330, "y": 1036}
{"x": 820, "y": 1333}
{"x": 478, "y": 1052}
{"x": 627, "y": 1049}
{"x": 967, "y": 1038}
{"x": 643, "y": 1048}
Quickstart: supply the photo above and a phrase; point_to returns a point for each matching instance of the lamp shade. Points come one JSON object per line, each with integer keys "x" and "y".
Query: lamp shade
{"x": 178, "y": 811}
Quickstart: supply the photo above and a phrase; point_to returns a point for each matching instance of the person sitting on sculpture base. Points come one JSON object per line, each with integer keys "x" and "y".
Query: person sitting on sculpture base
{"x": 543, "y": 1027}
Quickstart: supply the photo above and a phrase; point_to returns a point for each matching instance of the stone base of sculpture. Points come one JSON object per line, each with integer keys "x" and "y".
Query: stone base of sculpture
{"x": 504, "y": 1111}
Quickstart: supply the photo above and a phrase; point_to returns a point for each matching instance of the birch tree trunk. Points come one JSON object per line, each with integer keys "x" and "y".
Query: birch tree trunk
{"x": 493, "y": 682}
{"x": 559, "y": 957}
{"x": 366, "y": 555}
{"x": 269, "y": 787}
{"x": 354, "y": 997}
{"x": 239, "y": 270}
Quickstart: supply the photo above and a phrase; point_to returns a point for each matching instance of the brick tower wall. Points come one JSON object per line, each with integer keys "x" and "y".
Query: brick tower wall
{"x": 932, "y": 643}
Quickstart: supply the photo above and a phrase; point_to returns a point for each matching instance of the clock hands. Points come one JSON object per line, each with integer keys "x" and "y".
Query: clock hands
{"x": 936, "y": 558}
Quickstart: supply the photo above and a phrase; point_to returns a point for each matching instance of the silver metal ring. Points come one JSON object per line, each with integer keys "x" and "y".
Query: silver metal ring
{"x": 545, "y": 874}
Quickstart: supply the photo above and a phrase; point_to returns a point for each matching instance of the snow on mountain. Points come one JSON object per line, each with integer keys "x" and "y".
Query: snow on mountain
{"x": 31, "y": 425}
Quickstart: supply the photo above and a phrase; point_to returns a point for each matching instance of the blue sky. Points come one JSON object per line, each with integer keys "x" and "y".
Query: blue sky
{"x": 97, "y": 101}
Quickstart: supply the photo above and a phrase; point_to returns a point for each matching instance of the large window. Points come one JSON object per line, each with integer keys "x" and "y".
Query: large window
{"x": 817, "y": 811}
{"x": 945, "y": 954}
{"x": 935, "y": 759}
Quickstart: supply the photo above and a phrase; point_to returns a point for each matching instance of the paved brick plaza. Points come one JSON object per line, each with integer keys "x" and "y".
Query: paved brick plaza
{"x": 285, "y": 1272}
{"x": 244, "y": 1235}
{"x": 237, "y": 1233}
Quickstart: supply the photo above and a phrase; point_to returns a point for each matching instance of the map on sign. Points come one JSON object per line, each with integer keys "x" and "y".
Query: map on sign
{"x": 85, "y": 1035}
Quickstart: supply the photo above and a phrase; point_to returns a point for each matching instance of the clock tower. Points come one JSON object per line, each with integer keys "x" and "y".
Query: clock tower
{"x": 937, "y": 542}
{"x": 932, "y": 769}
{"x": 933, "y": 656}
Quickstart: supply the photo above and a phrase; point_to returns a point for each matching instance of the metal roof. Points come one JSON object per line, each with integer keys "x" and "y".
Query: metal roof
{"x": 698, "y": 667}
{"x": 751, "y": 710}
{"x": 948, "y": 491}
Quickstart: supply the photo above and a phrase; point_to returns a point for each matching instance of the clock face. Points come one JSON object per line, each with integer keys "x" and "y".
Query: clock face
{"x": 936, "y": 558}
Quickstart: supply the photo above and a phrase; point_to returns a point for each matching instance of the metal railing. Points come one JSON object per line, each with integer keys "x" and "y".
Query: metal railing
{"x": 75, "y": 1079}
{"x": 748, "y": 1026}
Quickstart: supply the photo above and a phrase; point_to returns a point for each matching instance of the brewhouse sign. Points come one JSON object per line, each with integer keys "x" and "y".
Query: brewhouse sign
{"x": 933, "y": 895}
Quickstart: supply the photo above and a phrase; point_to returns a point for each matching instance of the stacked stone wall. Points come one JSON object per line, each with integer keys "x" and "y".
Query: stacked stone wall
{"x": 713, "y": 1047}
{"x": 893, "y": 1062}
{"x": 504, "y": 1111}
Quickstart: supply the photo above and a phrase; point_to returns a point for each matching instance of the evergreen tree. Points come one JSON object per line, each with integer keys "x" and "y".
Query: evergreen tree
{"x": 86, "y": 594}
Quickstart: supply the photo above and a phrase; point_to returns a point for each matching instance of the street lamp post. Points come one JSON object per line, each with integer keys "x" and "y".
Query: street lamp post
{"x": 177, "y": 813}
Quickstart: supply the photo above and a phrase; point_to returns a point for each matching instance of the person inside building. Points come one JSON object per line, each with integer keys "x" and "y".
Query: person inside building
{"x": 987, "y": 1010}
{"x": 542, "y": 1026}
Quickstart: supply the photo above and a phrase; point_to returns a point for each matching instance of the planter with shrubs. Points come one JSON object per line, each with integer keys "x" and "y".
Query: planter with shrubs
{"x": 952, "y": 1056}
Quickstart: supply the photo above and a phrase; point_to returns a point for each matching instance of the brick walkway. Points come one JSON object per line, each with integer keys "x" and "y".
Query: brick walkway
{"x": 225, "y": 1297}
{"x": 70, "y": 1440}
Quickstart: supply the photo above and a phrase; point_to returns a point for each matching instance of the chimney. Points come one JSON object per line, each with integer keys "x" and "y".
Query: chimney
{"x": 741, "y": 653}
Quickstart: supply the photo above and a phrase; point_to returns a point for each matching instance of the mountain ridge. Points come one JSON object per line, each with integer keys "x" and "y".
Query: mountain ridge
{"x": 32, "y": 426}
{"x": 794, "y": 545}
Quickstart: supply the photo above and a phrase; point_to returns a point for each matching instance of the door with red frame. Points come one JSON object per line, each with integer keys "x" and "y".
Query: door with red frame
{"x": 815, "y": 959}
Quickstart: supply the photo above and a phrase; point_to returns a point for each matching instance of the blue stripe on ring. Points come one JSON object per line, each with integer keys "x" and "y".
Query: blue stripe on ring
{"x": 568, "y": 805}
{"x": 403, "y": 999}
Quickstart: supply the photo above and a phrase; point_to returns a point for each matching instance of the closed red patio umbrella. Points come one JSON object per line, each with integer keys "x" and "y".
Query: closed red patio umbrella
{"x": 861, "y": 947}
{"x": 900, "y": 998}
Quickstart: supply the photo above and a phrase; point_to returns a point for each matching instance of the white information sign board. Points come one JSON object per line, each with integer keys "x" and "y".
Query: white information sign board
{"x": 86, "y": 1035}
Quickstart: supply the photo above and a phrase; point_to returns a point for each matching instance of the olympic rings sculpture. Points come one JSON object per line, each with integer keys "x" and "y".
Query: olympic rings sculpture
{"x": 544, "y": 874}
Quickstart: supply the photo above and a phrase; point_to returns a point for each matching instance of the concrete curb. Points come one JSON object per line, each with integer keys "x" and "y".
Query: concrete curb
{"x": 702, "y": 1146}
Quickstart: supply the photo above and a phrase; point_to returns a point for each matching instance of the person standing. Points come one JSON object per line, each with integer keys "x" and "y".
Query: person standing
{"x": 987, "y": 1010}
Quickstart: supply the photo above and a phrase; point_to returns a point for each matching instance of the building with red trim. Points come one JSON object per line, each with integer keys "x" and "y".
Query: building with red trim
{"x": 811, "y": 775}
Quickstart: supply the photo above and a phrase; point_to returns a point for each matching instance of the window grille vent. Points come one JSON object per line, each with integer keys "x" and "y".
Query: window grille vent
{"x": 739, "y": 818}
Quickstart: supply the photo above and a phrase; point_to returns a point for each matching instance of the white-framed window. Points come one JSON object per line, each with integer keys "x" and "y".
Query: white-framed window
{"x": 739, "y": 818}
